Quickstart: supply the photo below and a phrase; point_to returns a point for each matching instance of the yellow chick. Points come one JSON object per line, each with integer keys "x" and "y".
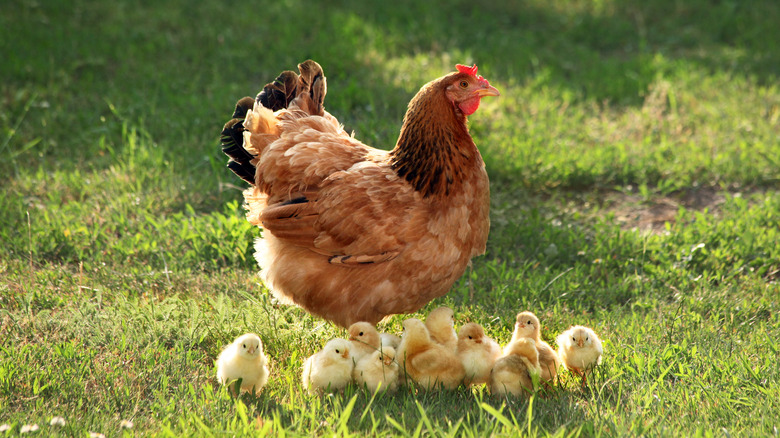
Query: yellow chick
{"x": 580, "y": 350}
{"x": 441, "y": 325}
{"x": 365, "y": 340}
{"x": 426, "y": 362}
{"x": 527, "y": 326}
{"x": 243, "y": 359}
{"x": 330, "y": 369}
{"x": 515, "y": 372}
{"x": 477, "y": 352}
{"x": 378, "y": 370}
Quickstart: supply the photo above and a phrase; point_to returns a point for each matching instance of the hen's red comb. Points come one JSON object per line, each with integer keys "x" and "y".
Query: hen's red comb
{"x": 472, "y": 71}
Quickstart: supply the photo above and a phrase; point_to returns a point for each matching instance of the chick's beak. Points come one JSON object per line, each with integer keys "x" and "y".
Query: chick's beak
{"x": 345, "y": 354}
{"x": 488, "y": 90}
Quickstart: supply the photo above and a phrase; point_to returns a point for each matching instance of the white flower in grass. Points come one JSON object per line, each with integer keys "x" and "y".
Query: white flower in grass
{"x": 5, "y": 427}
{"x": 57, "y": 421}
{"x": 29, "y": 428}
{"x": 126, "y": 424}
{"x": 96, "y": 435}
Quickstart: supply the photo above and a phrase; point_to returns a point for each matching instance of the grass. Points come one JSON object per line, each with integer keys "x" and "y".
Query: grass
{"x": 126, "y": 263}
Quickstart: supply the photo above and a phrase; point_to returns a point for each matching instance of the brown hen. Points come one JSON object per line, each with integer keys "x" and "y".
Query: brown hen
{"x": 352, "y": 233}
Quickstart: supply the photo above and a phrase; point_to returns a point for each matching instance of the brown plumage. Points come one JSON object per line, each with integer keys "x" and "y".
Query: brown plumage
{"x": 352, "y": 233}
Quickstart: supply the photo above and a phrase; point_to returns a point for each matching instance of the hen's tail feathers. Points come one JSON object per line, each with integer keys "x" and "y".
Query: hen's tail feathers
{"x": 309, "y": 87}
{"x": 306, "y": 91}
{"x": 233, "y": 139}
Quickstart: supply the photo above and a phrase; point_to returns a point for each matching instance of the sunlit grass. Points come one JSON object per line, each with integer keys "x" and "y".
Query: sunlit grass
{"x": 126, "y": 261}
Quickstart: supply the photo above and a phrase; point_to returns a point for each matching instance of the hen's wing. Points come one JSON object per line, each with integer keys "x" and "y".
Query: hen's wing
{"x": 358, "y": 216}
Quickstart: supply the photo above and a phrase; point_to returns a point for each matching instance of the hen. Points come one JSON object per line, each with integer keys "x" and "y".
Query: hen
{"x": 352, "y": 233}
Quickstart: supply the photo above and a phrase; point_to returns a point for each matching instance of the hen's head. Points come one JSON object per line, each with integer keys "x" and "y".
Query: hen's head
{"x": 465, "y": 88}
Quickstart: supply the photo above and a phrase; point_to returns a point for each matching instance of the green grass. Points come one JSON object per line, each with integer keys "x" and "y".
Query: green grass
{"x": 126, "y": 262}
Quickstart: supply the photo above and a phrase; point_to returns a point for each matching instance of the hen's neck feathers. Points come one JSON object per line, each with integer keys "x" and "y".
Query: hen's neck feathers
{"x": 434, "y": 148}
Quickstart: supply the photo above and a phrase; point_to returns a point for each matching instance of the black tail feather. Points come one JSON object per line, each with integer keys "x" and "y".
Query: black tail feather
{"x": 232, "y": 139}
{"x": 275, "y": 96}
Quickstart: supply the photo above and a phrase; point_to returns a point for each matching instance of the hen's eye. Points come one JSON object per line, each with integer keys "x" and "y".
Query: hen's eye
{"x": 464, "y": 84}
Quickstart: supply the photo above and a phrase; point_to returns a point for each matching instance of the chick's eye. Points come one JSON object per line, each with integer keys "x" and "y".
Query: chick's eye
{"x": 464, "y": 84}
{"x": 529, "y": 322}
{"x": 360, "y": 334}
{"x": 337, "y": 350}
{"x": 244, "y": 345}
{"x": 470, "y": 337}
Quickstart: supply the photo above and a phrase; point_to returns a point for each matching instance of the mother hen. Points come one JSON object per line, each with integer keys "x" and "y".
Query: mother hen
{"x": 353, "y": 233}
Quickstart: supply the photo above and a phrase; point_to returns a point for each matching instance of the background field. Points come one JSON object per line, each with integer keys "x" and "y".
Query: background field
{"x": 634, "y": 164}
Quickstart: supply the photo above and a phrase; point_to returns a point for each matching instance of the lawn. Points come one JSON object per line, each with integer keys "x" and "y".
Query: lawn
{"x": 634, "y": 157}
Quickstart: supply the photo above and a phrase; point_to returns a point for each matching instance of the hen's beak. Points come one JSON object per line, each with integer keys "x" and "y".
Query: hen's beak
{"x": 488, "y": 91}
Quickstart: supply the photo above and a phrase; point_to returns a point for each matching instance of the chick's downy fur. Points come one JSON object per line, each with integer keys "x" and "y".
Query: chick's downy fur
{"x": 477, "y": 352}
{"x": 243, "y": 359}
{"x": 377, "y": 370}
{"x": 514, "y": 373}
{"x": 426, "y": 362}
{"x": 527, "y": 325}
{"x": 330, "y": 369}
{"x": 580, "y": 350}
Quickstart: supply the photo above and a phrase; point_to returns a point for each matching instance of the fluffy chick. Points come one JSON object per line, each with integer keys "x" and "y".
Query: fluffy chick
{"x": 515, "y": 372}
{"x": 441, "y": 325}
{"x": 477, "y": 352}
{"x": 580, "y": 350}
{"x": 426, "y": 362}
{"x": 243, "y": 359}
{"x": 365, "y": 340}
{"x": 390, "y": 340}
{"x": 330, "y": 369}
{"x": 377, "y": 370}
{"x": 527, "y": 326}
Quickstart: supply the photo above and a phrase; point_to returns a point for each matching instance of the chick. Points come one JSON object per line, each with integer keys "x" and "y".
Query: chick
{"x": 515, "y": 372}
{"x": 330, "y": 369}
{"x": 426, "y": 362}
{"x": 389, "y": 340}
{"x": 377, "y": 370}
{"x": 580, "y": 350}
{"x": 527, "y": 326}
{"x": 477, "y": 353}
{"x": 243, "y": 359}
{"x": 441, "y": 325}
{"x": 364, "y": 338}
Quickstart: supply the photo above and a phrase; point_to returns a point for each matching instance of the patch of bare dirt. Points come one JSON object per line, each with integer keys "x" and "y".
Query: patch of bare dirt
{"x": 634, "y": 212}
